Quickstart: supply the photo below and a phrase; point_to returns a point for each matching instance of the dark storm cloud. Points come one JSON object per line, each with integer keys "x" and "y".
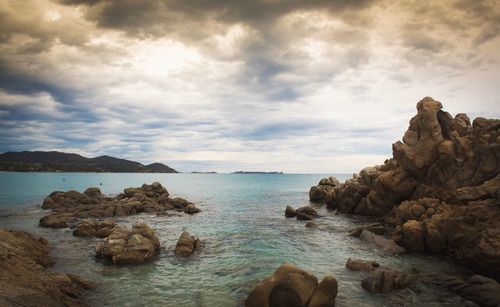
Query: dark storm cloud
{"x": 136, "y": 16}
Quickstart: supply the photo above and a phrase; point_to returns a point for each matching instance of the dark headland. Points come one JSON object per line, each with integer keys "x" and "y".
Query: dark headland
{"x": 54, "y": 161}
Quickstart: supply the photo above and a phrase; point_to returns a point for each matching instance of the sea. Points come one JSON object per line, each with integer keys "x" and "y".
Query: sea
{"x": 244, "y": 233}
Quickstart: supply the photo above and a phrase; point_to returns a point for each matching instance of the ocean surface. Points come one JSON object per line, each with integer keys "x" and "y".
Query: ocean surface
{"x": 245, "y": 238}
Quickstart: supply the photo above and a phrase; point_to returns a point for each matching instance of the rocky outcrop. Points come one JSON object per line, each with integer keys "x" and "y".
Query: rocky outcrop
{"x": 90, "y": 228}
{"x": 124, "y": 246}
{"x": 24, "y": 278}
{"x": 305, "y": 213}
{"x": 361, "y": 265}
{"x": 325, "y": 187}
{"x": 70, "y": 207}
{"x": 186, "y": 245}
{"x": 440, "y": 191}
{"x": 291, "y": 286}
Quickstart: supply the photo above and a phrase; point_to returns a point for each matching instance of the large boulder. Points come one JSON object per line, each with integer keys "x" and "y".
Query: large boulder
{"x": 290, "y": 212}
{"x": 25, "y": 279}
{"x": 186, "y": 245}
{"x": 124, "y": 246}
{"x": 291, "y": 286}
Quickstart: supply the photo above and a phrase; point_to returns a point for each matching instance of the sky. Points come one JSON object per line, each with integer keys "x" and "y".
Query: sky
{"x": 316, "y": 86}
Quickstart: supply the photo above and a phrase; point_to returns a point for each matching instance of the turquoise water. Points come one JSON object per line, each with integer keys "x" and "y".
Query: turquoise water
{"x": 244, "y": 234}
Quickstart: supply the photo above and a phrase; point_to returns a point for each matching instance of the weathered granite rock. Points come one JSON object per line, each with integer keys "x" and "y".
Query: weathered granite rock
{"x": 90, "y": 228}
{"x": 291, "y": 286}
{"x": 387, "y": 245}
{"x": 325, "y": 293}
{"x": 323, "y": 189}
{"x": 186, "y": 245}
{"x": 482, "y": 290}
{"x": 290, "y": 212}
{"x": 361, "y": 265}
{"x": 24, "y": 279}
{"x": 70, "y": 207}
{"x": 385, "y": 280}
{"x": 134, "y": 246}
{"x": 440, "y": 191}
{"x": 376, "y": 228}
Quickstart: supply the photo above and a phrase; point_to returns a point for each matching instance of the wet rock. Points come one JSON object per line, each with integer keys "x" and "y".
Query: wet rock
{"x": 57, "y": 220}
{"x": 24, "y": 278}
{"x": 388, "y": 245}
{"x": 316, "y": 193}
{"x": 291, "y": 286}
{"x": 290, "y": 212}
{"x": 89, "y": 228}
{"x": 385, "y": 280}
{"x": 325, "y": 293}
{"x": 124, "y": 246}
{"x": 303, "y": 217}
{"x": 311, "y": 225}
{"x": 361, "y": 265}
{"x": 191, "y": 209}
{"x": 482, "y": 290}
{"x": 413, "y": 236}
{"x": 376, "y": 228}
{"x": 186, "y": 245}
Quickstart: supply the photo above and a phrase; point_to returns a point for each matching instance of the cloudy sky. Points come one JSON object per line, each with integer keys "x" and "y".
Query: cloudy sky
{"x": 297, "y": 86}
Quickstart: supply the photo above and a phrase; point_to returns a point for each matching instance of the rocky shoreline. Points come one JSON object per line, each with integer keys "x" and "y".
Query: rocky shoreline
{"x": 24, "y": 276}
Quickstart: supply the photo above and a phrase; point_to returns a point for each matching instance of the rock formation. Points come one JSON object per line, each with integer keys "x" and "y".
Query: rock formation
{"x": 89, "y": 228}
{"x": 24, "y": 278}
{"x": 186, "y": 245}
{"x": 318, "y": 193}
{"x": 361, "y": 265}
{"x": 70, "y": 207}
{"x": 291, "y": 286}
{"x": 134, "y": 246}
{"x": 440, "y": 190}
{"x": 385, "y": 280}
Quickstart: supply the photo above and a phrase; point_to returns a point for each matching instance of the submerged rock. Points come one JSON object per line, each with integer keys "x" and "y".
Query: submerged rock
{"x": 385, "y": 280}
{"x": 361, "y": 265}
{"x": 376, "y": 228}
{"x": 69, "y": 207}
{"x": 124, "y": 246}
{"x": 291, "y": 286}
{"x": 89, "y": 228}
{"x": 387, "y": 245}
{"x": 186, "y": 245}
{"x": 24, "y": 278}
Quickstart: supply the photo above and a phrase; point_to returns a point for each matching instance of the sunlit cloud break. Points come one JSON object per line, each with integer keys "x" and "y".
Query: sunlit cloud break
{"x": 294, "y": 86}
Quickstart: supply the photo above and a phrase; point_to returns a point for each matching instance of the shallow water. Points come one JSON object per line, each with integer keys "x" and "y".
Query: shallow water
{"x": 244, "y": 234}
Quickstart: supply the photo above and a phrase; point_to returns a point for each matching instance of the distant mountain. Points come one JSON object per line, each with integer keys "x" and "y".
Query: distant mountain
{"x": 243, "y": 172}
{"x": 54, "y": 161}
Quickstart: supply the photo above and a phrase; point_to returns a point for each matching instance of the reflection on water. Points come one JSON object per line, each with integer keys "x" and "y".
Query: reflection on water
{"x": 244, "y": 233}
